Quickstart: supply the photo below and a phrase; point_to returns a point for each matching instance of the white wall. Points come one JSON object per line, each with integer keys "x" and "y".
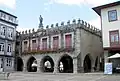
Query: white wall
{"x": 108, "y": 26}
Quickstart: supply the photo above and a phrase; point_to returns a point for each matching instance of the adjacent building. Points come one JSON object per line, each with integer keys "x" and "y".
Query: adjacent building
{"x": 8, "y": 25}
{"x": 71, "y": 48}
{"x": 110, "y": 22}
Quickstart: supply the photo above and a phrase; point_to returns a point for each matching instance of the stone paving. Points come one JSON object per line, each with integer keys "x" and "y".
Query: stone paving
{"x": 24, "y": 76}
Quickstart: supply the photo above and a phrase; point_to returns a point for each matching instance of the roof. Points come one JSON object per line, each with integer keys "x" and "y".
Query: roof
{"x": 98, "y": 8}
{"x": 8, "y": 13}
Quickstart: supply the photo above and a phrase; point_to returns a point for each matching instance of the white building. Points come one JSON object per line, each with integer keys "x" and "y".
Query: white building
{"x": 7, "y": 40}
{"x": 110, "y": 23}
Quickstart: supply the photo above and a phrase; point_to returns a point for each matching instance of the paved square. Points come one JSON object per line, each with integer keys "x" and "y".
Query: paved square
{"x": 24, "y": 76}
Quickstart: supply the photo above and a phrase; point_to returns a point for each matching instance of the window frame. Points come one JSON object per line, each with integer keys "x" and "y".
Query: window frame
{"x": 110, "y": 19}
{"x": 114, "y": 33}
{"x": 68, "y": 46}
{"x": 2, "y": 49}
{"x": 56, "y": 46}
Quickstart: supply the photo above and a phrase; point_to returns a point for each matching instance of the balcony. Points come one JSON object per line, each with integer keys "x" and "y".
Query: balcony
{"x": 50, "y": 50}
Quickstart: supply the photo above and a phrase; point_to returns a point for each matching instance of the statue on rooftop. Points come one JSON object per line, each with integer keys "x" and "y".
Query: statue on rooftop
{"x": 41, "y": 21}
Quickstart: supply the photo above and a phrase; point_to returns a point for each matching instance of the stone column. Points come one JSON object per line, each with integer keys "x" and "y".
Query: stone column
{"x": 55, "y": 67}
{"x": 98, "y": 65}
{"x": 38, "y": 66}
{"x": 24, "y": 69}
{"x": 25, "y": 66}
{"x": 75, "y": 65}
{"x": 105, "y": 56}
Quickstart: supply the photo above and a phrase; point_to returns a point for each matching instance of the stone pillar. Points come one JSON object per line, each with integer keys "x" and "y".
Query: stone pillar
{"x": 92, "y": 69}
{"x": 55, "y": 67}
{"x": 24, "y": 69}
{"x": 75, "y": 65}
{"x": 25, "y": 66}
{"x": 105, "y": 56}
{"x": 38, "y": 66}
{"x": 81, "y": 69}
{"x": 98, "y": 65}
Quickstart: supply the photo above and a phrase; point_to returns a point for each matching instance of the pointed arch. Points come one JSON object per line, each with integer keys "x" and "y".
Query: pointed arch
{"x": 20, "y": 64}
{"x": 65, "y": 64}
{"x": 29, "y": 64}
{"x": 87, "y": 63}
{"x": 47, "y": 64}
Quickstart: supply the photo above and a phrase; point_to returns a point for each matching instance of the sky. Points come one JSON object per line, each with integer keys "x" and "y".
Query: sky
{"x": 52, "y": 11}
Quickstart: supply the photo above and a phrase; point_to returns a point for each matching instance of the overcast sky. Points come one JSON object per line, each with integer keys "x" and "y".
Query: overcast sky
{"x": 52, "y": 11}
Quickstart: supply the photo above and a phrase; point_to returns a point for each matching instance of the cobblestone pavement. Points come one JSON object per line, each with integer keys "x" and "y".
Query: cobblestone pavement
{"x": 22, "y": 76}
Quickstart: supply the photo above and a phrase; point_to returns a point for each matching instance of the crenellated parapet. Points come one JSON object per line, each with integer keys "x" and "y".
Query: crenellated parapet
{"x": 63, "y": 28}
{"x": 73, "y": 25}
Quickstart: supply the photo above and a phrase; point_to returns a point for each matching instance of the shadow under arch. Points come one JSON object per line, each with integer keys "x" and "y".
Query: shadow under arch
{"x": 65, "y": 64}
{"x": 20, "y": 64}
{"x": 47, "y": 64}
{"x": 87, "y": 63}
{"x": 29, "y": 65}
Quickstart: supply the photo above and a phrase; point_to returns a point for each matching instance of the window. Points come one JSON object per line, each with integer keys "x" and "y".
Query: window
{"x": 25, "y": 45}
{"x": 3, "y": 15}
{"x": 114, "y": 37}
{"x": 10, "y": 18}
{"x": 55, "y": 42}
{"x": 1, "y": 62}
{"x": 9, "y": 62}
{"x": 1, "y": 47}
{"x": 2, "y": 30}
{"x": 9, "y": 49}
{"x": 68, "y": 41}
{"x": 10, "y": 32}
{"x": 44, "y": 43}
{"x": 34, "y": 45}
{"x": 112, "y": 15}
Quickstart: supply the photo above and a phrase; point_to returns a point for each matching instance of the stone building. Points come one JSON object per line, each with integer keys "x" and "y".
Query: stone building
{"x": 8, "y": 25}
{"x": 71, "y": 48}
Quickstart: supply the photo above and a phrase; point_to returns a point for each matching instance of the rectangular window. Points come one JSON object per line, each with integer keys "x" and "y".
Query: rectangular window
{"x": 25, "y": 46}
{"x": 10, "y": 18}
{"x": 9, "y": 48}
{"x": 3, "y": 15}
{"x": 1, "y": 47}
{"x": 1, "y": 62}
{"x": 55, "y": 42}
{"x": 44, "y": 43}
{"x": 114, "y": 37}
{"x": 9, "y": 62}
{"x": 10, "y": 32}
{"x": 68, "y": 41}
{"x": 112, "y": 15}
{"x": 34, "y": 45}
{"x": 2, "y": 30}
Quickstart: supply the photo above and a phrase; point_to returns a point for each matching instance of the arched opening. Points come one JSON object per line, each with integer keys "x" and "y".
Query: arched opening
{"x": 96, "y": 63}
{"x": 47, "y": 64}
{"x": 87, "y": 64}
{"x": 29, "y": 65}
{"x": 19, "y": 64}
{"x": 65, "y": 64}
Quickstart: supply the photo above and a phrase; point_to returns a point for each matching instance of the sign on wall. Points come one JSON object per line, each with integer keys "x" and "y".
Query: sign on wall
{"x": 108, "y": 68}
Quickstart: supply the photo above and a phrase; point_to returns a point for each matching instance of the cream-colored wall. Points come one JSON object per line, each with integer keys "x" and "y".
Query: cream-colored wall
{"x": 108, "y": 26}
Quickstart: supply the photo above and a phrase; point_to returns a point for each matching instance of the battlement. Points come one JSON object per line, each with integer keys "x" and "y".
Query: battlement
{"x": 74, "y": 24}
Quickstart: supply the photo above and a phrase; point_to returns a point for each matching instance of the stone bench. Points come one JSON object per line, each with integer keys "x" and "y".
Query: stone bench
{"x": 4, "y": 75}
